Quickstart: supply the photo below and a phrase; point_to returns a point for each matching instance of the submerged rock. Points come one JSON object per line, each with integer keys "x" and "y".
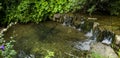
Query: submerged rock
{"x": 103, "y": 50}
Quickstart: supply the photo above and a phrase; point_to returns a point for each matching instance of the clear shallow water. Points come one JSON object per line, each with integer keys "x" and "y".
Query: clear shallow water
{"x": 37, "y": 39}
{"x": 111, "y": 23}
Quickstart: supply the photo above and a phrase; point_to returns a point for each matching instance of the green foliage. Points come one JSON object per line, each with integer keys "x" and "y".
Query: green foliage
{"x": 95, "y": 55}
{"x": 90, "y": 10}
{"x": 118, "y": 53}
{"x": 8, "y": 6}
{"x": 8, "y": 52}
{"x": 45, "y": 53}
{"x": 0, "y": 6}
{"x": 105, "y": 6}
{"x": 115, "y": 7}
{"x": 38, "y": 10}
{"x": 50, "y": 54}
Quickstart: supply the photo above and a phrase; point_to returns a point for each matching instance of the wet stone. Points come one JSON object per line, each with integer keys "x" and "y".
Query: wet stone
{"x": 104, "y": 50}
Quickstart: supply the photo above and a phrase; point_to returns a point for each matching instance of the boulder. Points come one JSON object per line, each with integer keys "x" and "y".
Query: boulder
{"x": 103, "y": 50}
{"x": 117, "y": 39}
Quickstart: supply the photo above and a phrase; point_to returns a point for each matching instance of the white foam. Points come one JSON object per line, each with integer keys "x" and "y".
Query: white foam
{"x": 83, "y": 45}
{"x": 79, "y": 29}
{"x": 63, "y": 24}
{"x": 89, "y": 34}
{"x": 82, "y": 22}
{"x": 106, "y": 41}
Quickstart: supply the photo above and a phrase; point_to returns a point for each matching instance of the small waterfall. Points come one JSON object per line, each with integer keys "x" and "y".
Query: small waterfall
{"x": 83, "y": 45}
{"x": 107, "y": 41}
{"x": 89, "y": 34}
{"x": 91, "y": 30}
{"x": 94, "y": 35}
{"x": 107, "y": 37}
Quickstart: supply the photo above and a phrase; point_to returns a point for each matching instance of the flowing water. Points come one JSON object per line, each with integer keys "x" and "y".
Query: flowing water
{"x": 51, "y": 39}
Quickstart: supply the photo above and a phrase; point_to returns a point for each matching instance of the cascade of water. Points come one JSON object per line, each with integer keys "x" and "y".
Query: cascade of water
{"x": 92, "y": 36}
{"x": 89, "y": 34}
{"x": 91, "y": 31}
{"x": 106, "y": 37}
{"x": 83, "y": 45}
{"x": 107, "y": 41}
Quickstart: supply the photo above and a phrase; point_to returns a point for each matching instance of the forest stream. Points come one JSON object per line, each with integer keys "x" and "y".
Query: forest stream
{"x": 55, "y": 40}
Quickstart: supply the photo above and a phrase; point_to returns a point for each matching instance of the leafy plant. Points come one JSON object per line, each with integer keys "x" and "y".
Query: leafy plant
{"x": 95, "y": 55}
{"x": 38, "y": 10}
{"x": 50, "y": 54}
{"x": 115, "y": 7}
{"x": 7, "y": 50}
{"x": 105, "y": 6}
{"x": 90, "y": 10}
{"x": 118, "y": 53}
{"x": 0, "y": 6}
